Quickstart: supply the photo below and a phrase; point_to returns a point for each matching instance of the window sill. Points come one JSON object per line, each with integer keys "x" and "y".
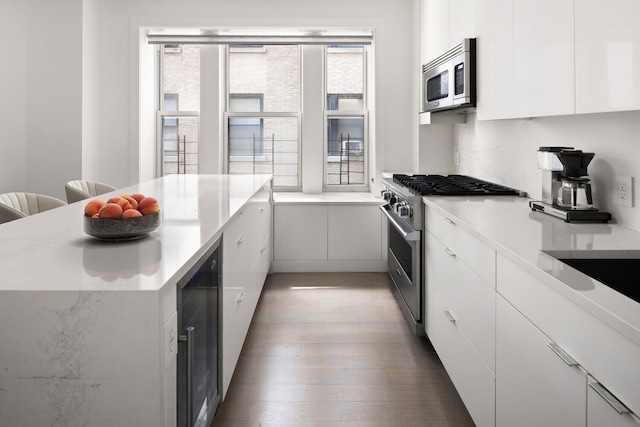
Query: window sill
{"x": 327, "y": 198}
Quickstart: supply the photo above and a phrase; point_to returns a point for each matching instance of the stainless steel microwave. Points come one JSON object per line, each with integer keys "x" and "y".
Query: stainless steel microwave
{"x": 449, "y": 81}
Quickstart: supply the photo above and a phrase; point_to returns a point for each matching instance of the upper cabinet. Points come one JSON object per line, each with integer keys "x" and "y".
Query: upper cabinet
{"x": 543, "y": 57}
{"x": 495, "y": 59}
{"x": 443, "y": 24}
{"x": 607, "y": 55}
{"x": 556, "y": 57}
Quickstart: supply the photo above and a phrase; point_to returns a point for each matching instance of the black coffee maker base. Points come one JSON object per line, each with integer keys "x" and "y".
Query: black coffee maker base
{"x": 572, "y": 216}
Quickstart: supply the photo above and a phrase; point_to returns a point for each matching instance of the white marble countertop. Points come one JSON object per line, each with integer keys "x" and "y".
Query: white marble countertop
{"x": 49, "y": 251}
{"x": 508, "y": 225}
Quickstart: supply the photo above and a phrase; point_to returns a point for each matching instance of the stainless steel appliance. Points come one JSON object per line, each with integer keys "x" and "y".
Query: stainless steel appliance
{"x": 566, "y": 189}
{"x": 404, "y": 211}
{"x": 199, "y": 336}
{"x": 449, "y": 81}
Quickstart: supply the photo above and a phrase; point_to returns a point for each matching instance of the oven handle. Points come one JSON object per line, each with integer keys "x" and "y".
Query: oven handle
{"x": 408, "y": 233}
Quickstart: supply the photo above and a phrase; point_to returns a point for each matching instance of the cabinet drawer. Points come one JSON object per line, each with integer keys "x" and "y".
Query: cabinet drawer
{"x": 599, "y": 349}
{"x": 471, "y": 251}
{"x": 469, "y": 299}
{"x": 472, "y": 378}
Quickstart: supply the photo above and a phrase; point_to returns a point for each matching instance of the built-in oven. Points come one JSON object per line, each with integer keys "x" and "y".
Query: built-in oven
{"x": 404, "y": 253}
{"x": 199, "y": 337}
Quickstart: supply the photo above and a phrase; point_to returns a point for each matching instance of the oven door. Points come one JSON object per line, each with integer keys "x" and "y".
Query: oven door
{"x": 404, "y": 266}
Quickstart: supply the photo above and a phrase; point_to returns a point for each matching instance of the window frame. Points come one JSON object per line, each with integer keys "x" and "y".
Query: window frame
{"x": 364, "y": 113}
{"x": 263, "y": 114}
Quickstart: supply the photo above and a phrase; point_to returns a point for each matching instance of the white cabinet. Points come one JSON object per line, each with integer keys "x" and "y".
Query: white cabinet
{"x": 543, "y": 57}
{"x": 246, "y": 258}
{"x": 533, "y": 383}
{"x": 443, "y": 24}
{"x": 607, "y": 55}
{"x": 329, "y": 237}
{"x": 603, "y": 409}
{"x": 600, "y": 350}
{"x": 300, "y": 232}
{"x": 434, "y": 29}
{"x": 462, "y": 20}
{"x": 495, "y": 85}
{"x": 353, "y": 233}
{"x": 460, "y": 311}
{"x": 525, "y": 58}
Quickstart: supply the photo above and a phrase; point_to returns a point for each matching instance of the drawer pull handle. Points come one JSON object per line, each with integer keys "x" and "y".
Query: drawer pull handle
{"x": 562, "y": 354}
{"x": 609, "y": 398}
{"x": 399, "y": 272}
{"x": 449, "y": 221}
{"x": 450, "y": 316}
{"x": 240, "y": 297}
{"x": 240, "y": 240}
{"x": 449, "y": 252}
{"x": 261, "y": 209}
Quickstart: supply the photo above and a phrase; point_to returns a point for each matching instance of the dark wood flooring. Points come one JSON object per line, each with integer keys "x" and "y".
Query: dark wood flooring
{"x": 333, "y": 350}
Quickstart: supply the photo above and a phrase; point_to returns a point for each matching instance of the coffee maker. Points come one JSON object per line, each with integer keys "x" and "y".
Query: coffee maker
{"x": 566, "y": 188}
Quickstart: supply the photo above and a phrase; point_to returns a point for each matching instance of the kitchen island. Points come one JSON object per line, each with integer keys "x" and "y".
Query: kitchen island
{"x": 83, "y": 323}
{"x": 522, "y": 334}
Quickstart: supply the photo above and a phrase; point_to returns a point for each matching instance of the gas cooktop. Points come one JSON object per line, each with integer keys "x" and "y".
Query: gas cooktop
{"x": 452, "y": 185}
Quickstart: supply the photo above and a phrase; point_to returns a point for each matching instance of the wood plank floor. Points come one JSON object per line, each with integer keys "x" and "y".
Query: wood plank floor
{"x": 332, "y": 349}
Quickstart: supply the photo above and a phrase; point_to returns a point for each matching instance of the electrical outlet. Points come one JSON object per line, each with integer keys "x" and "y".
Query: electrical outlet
{"x": 170, "y": 339}
{"x": 624, "y": 190}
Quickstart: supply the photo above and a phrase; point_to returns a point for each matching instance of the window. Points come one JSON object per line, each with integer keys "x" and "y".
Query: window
{"x": 345, "y": 115}
{"x": 178, "y": 116}
{"x": 246, "y": 133}
{"x": 263, "y": 112}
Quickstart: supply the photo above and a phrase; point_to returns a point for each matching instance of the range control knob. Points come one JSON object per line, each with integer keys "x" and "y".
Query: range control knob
{"x": 385, "y": 194}
{"x": 393, "y": 200}
{"x": 404, "y": 211}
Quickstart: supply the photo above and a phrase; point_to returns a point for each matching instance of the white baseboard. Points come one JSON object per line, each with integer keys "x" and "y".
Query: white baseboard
{"x": 360, "y": 266}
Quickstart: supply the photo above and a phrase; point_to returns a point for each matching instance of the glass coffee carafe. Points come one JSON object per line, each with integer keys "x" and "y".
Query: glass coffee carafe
{"x": 575, "y": 193}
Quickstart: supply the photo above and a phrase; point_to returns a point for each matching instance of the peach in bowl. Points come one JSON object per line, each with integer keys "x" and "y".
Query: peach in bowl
{"x": 127, "y": 217}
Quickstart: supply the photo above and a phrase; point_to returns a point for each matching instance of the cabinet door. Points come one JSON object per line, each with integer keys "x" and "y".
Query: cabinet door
{"x": 465, "y": 295}
{"x": 495, "y": 59}
{"x": 533, "y": 384}
{"x": 473, "y": 380}
{"x": 354, "y": 232}
{"x": 462, "y": 20}
{"x": 607, "y": 55}
{"x": 543, "y": 56}
{"x": 603, "y": 409}
{"x": 300, "y": 232}
{"x": 434, "y": 28}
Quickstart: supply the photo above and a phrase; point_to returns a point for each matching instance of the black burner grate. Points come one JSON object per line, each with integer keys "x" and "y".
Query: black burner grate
{"x": 452, "y": 185}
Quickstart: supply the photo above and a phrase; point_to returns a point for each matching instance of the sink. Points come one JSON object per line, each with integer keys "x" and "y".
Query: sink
{"x": 618, "y": 269}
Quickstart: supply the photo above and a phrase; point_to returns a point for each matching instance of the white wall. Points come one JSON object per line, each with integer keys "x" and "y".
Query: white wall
{"x": 395, "y": 52}
{"x": 504, "y": 151}
{"x": 71, "y": 93}
{"x": 41, "y": 112}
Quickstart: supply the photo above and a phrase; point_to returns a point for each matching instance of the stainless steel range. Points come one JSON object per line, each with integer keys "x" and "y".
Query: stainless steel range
{"x": 405, "y": 212}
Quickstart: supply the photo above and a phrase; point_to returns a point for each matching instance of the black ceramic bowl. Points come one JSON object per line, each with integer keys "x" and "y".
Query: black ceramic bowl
{"x": 118, "y": 229}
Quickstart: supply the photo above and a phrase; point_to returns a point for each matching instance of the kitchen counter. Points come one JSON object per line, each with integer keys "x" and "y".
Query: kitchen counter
{"x": 84, "y": 323}
{"x": 508, "y": 225}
